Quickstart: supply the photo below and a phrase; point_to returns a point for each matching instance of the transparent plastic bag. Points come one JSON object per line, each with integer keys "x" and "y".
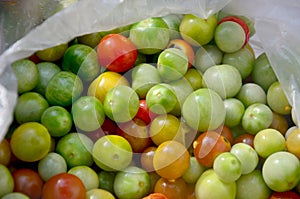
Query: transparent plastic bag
{"x": 276, "y": 35}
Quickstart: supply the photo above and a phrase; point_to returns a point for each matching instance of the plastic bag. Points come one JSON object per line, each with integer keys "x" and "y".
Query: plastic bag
{"x": 276, "y": 35}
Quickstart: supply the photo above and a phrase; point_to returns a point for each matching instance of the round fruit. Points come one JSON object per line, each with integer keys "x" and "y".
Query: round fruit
{"x": 87, "y": 113}
{"x": 64, "y": 185}
{"x": 209, "y": 185}
{"x": 63, "y": 88}
{"x": 133, "y": 182}
{"x": 194, "y": 171}
{"x": 30, "y": 142}
{"x": 29, "y": 182}
{"x": 200, "y": 107}
{"x": 57, "y": 120}
{"x": 197, "y": 31}
{"x": 247, "y": 156}
{"x": 172, "y": 64}
{"x": 257, "y": 117}
{"x": 172, "y": 189}
{"x": 121, "y": 103}
{"x": 116, "y": 53}
{"x": 243, "y": 60}
{"x": 208, "y": 146}
{"x": 46, "y": 71}
{"x": 228, "y": 78}
{"x": 251, "y": 93}
{"x": 161, "y": 98}
{"x": 171, "y": 160}
{"x": 229, "y": 36}
{"x": 194, "y": 77}
{"x": 228, "y": 167}
{"x": 150, "y": 35}
{"x": 76, "y": 149}
{"x": 268, "y": 141}
{"x": 207, "y": 56}
{"x": 144, "y": 76}
{"x": 112, "y": 153}
{"x": 51, "y": 165}
{"x": 87, "y": 175}
{"x": 281, "y": 171}
{"x": 277, "y": 99}
{"x": 32, "y": 101}
{"x": 234, "y": 112}
{"x": 164, "y": 128}
{"x": 185, "y": 47}
{"x": 27, "y": 75}
{"x": 252, "y": 183}
{"x": 82, "y": 61}
{"x": 263, "y": 73}
{"x": 104, "y": 82}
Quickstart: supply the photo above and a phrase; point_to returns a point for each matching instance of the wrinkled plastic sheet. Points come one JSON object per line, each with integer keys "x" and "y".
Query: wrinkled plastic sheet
{"x": 277, "y": 26}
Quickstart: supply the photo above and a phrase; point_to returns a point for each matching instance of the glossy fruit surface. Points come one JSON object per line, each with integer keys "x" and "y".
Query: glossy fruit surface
{"x": 63, "y": 88}
{"x": 150, "y": 36}
{"x": 247, "y": 156}
{"x": 30, "y": 142}
{"x": 133, "y": 182}
{"x": 121, "y": 103}
{"x": 88, "y": 113}
{"x": 63, "y": 186}
{"x": 29, "y": 182}
{"x": 208, "y": 146}
{"x": 116, "y": 53}
{"x": 202, "y": 105}
{"x": 112, "y": 153}
{"x": 172, "y": 64}
{"x": 30, "y": 101}
{"x": 76, "y": 149}
{"x": 82, "y": 61}
{"x": 197, "y": 31}
{"x": 171, "y": 160}
{"x": 104, "y": 82}
{"x": 269, "y": 141}
{"x": 57, "y": 120}
{"x": 210, "y": 186}
{"x": 175, "y": 189}
{"x": 281, "y": 171}
{"x": 27, "y": 75}
{"x": 229, "y": 78}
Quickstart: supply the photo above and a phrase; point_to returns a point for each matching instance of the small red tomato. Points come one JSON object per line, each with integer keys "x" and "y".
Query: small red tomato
{"x": 144, "y": 112}
{"x": 226, "y": 132}
{"x": 29, "y": 182}
{"x": 64, "y": 186}
{"x": 185, "y": 47}
{"x": 208, "y": 146}
{"x": 245, "y": 138}
{"x": 285, "y": 195}
{"x": 136, "y": 133}
{"x": 116, "y": 53}
{"x": 241, "y": 22}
